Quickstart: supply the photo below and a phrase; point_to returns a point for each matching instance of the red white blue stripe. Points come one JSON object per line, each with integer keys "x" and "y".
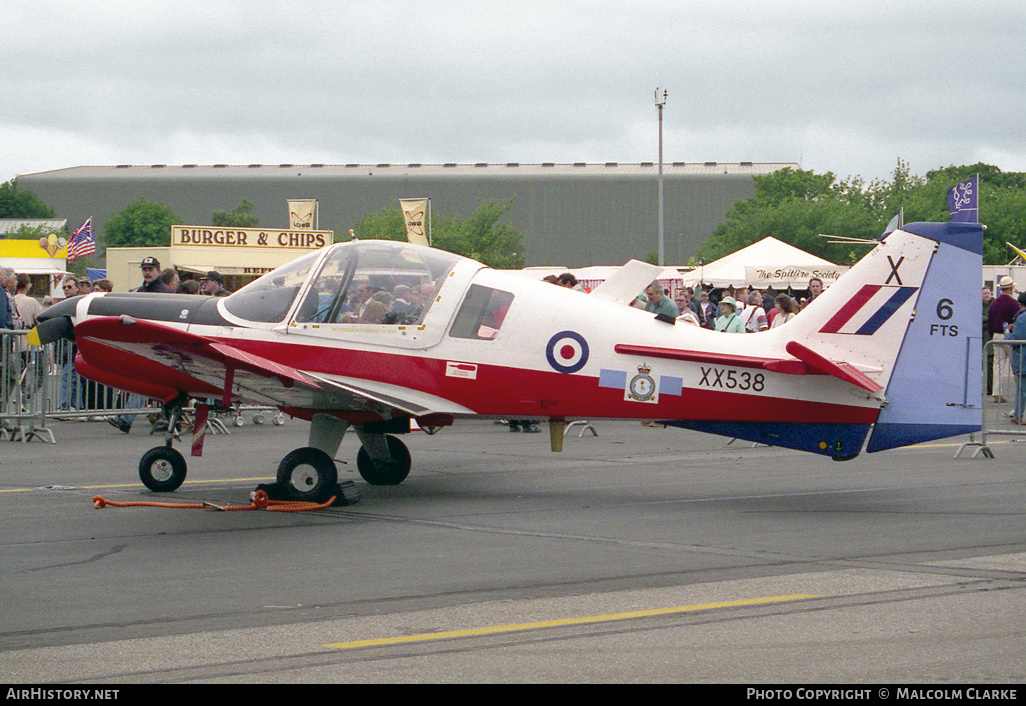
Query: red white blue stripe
{"x": 868, "y": 310}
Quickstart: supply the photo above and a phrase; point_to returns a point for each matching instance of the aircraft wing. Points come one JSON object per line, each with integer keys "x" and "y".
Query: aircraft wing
{"x": 205, "y": 367}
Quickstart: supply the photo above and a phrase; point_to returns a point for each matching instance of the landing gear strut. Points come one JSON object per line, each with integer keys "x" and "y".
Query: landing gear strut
{"x": 305, "y": 474}
{"x": 162, "y": 469}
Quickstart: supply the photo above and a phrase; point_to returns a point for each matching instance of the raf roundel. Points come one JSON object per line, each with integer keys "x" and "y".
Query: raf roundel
{"x": 567, "y": 352}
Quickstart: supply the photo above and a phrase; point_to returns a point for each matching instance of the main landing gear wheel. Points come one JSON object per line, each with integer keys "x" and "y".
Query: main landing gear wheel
{"x": 391, "y": 472}
{"x": 162, "y": 469}
{"x": 308, "y": 474}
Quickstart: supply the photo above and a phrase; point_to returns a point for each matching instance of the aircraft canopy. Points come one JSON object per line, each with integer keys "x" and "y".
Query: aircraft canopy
{"x": 368, "y": 281}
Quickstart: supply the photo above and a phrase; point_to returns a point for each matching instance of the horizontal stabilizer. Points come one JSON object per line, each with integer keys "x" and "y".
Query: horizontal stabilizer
{"x": 842, "y": 371}
{"x": 777, "y": 365}
{"x": 805, "y": 362}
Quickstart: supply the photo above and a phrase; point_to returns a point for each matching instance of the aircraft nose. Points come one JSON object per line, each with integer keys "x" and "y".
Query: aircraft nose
{"x": 61, "y": 308}
{"x": 54, "y": 323}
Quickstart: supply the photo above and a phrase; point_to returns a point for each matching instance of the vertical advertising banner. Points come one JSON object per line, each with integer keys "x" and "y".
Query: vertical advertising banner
{"x": 415, "y": 216}
{"x": 303, "y": 214}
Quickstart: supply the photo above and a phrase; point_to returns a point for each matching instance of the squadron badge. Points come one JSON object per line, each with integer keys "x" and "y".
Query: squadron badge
{"x": 642, "y": 388}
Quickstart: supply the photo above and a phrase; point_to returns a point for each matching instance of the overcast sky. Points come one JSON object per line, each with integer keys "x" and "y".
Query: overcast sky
{"x": 848, "y": 87}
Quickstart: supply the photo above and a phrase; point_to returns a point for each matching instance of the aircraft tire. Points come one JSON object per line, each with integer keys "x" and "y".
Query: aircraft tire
{"x": 308, "y": 474}
{"x": 162, "y": 469}
{"x": 391, "y": 472}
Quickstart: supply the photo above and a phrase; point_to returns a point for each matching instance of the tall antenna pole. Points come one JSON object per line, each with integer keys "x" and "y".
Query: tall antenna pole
{"x": 659, "y": 106}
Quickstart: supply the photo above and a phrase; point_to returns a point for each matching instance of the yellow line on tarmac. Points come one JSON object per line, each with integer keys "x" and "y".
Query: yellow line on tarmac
{"x": 497, "y": 629}
{"x": 137, "y": 485}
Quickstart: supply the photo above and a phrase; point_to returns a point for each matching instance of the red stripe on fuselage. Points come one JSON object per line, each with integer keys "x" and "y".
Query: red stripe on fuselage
{"x": 503, "y": 391}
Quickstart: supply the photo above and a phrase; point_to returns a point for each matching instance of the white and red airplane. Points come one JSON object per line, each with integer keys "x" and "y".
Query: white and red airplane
{"x": 888, "y": 356}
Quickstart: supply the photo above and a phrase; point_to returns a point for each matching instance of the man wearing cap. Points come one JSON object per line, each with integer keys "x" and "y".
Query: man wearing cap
{"x": 213, "y": 284}
{"x": 1000, "y": 318}
{"x": 151, "y": 277}
{"x": 153, "y": 284}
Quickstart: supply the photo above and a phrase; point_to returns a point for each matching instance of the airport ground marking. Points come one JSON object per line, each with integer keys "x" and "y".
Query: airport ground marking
{"x": 562, "y": 622}
{"x": 204, "y": 481}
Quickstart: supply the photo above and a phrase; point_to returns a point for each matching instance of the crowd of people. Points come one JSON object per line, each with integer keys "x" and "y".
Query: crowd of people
{"x": 743, "y": 310}
{"x": 404, "y": 304}
{"x": 19, "y": 310}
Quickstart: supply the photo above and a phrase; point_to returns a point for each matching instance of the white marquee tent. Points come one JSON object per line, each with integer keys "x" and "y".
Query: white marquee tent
{"x": 767, "y": 263}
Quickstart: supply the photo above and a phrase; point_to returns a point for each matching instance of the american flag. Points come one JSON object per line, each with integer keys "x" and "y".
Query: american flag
{"x": 82, "y": 243}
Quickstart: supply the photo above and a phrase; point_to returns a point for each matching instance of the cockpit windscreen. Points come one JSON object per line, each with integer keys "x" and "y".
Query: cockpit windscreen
{"x": 269, "y": 298}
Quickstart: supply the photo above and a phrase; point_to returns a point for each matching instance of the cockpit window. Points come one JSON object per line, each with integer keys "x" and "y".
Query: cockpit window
{"x": 326, "y": 297}
{"x": 269, "y": 298}
{"x": 375, "y": 282}
{"x": 482, "y": 313}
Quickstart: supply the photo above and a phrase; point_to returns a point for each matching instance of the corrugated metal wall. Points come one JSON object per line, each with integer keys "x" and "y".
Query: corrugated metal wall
{"x": 570, "y": 215}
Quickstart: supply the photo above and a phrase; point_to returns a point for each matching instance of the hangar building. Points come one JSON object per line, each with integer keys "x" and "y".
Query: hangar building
{"x": 572, "y": 215}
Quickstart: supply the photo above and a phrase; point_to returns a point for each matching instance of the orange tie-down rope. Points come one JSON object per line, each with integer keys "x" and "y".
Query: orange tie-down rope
{"x": 260, "y": 502}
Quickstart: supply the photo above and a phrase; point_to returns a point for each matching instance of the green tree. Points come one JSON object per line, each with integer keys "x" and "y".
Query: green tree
{"x": 16, "y": 203}
{"x": 238, "y": 217}
{"x": 482, "y": 236}
{"x": 1004, "y": 212}
{"x": 889, "y": 198}
{"x": 1002, "y": 202}
{"x": 386, "y": 224}
{"x": 796, "y": 206}
{"x": 143, "y": 223}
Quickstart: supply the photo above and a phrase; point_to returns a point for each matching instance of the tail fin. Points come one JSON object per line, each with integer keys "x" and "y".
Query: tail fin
{"x": 936, "y": 388}
{"x": 907, "y": 317}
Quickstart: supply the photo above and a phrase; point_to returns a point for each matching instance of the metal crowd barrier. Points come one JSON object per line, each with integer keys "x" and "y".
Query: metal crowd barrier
{"x": 22, "y": 389}
{"x": 70, "y": 396}
{"x": 40, "y": 384}
{"x": 1000, "y": 418}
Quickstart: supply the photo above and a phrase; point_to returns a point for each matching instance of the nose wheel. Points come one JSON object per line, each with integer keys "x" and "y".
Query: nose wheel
{"x": 162, "y": 469}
